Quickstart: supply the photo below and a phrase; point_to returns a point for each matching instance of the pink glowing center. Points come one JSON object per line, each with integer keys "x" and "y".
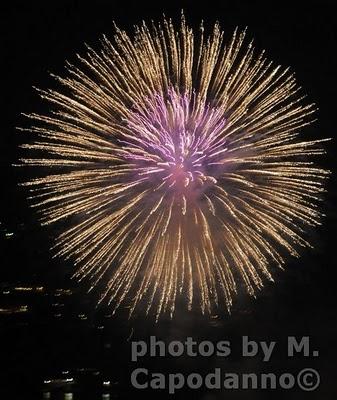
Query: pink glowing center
{"x": 177, "y": 143}
{"x": 186, "y": 168}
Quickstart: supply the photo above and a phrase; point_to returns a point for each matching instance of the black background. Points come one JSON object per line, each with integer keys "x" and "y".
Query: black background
{"x": 37, "y": 39}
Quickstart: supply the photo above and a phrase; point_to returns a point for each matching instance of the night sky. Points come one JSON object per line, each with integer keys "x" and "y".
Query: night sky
{"x": 37, "y": 38}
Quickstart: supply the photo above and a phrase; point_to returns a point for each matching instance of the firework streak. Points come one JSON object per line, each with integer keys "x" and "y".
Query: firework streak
{"x": 176, "y": 164}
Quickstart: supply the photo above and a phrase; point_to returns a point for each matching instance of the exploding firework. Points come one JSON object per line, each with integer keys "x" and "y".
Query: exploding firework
{"x": 176, "y": 163}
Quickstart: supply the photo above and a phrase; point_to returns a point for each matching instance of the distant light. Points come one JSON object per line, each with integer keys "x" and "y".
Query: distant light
{"x": 69, "y": 380}
{"x": 29, "y": 288}
{"x": 9, "y": 234}
{"x": 23, "y": 289}
{"x": 47, "y": 381}
{"x": 14, "y": 310}
{"x": 106, "y": 383}
{"x": 59, "y": 292}
{"x": 65, "y": 372}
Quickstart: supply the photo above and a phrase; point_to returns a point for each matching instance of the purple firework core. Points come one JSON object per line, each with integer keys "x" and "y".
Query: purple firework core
{"x": 178, "y": 145}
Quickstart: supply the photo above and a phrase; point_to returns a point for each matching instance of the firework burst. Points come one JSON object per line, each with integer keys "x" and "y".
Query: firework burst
{"x": 177, "y": 166}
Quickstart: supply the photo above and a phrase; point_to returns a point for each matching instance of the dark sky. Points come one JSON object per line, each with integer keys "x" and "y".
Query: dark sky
{"x": 37, "y": 38}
